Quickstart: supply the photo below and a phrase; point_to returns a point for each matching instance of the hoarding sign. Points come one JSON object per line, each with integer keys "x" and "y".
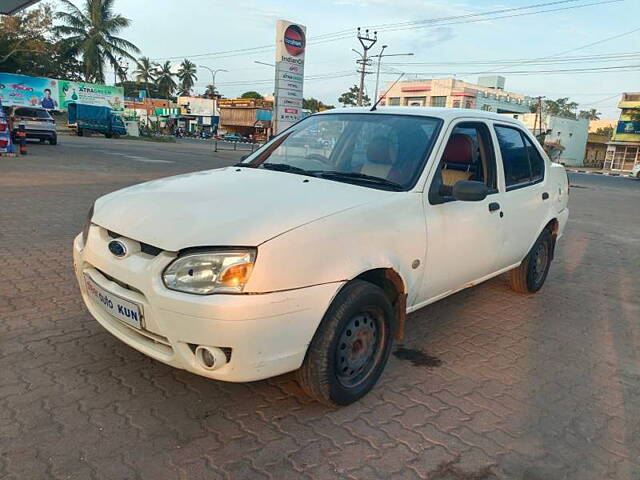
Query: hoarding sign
{"x": 22, "y": 90}
{"x": 628, "y": 127}
{"x": 90, "y": 94}
{"x": 291, "y": 41}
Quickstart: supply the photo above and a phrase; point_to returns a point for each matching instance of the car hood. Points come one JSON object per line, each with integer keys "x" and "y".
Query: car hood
{"x": 225, "y": 207}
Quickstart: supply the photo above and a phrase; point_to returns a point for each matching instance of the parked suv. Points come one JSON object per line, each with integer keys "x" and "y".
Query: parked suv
{"x": 38, "y": 123}
{"x": 309, "y": 259}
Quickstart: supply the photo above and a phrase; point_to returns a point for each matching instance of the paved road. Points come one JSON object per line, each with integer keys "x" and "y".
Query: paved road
{"x": 539, "y": 387}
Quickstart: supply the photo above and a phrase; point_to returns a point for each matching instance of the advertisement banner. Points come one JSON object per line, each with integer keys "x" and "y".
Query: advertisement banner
{"x": 22, "y": 90}
{"x": 290, "y": 48}
{"x": 628, "y": 127}
{"x": 90, "y": 94}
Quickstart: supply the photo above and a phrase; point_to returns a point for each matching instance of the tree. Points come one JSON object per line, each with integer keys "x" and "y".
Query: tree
{"x": 351, "y": 97}
{"x": 91, "y": 34}
{"x": 187, "y": 76}
{"x": 606, "y": 131}
{"x": 591, "y": 114}
{"x": 315, "y": 105}
{"x": 252, "y": 94}
{"x": 561, "y": 107}
{"x": 146, "y": 71}
{"x": 27, "y": 46}
{"x": 165, "y": 81}
{"x": 132, "y": 88}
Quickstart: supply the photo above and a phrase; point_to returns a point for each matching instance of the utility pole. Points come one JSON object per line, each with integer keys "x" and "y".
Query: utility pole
{"x": 367, "y": 43}
{"x": 538, "y": 118}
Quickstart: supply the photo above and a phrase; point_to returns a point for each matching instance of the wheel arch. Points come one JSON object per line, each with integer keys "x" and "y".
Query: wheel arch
{"x": 394, "y": 286}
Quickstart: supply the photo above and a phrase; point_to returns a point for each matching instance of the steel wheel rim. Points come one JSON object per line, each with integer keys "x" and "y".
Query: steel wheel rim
{"x": 358, "y": 348}
{"x": 539, "y": 262}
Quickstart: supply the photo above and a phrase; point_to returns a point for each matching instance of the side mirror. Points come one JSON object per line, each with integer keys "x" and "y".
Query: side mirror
{"x": 470, "y": 191}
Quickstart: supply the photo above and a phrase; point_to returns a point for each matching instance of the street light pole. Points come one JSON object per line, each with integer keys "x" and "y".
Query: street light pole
{"x": 379, "y": 56}
{"x": 213, "y": 77}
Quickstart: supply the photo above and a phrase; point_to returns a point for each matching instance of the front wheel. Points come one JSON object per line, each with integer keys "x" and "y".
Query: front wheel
{"x": 351, "y": 346}
{"x": 53, "y": 140}
{"x": 532, "y": 272}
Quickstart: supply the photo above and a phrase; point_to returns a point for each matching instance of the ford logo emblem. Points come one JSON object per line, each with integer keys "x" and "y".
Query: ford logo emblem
{"x": 117, "y": 248}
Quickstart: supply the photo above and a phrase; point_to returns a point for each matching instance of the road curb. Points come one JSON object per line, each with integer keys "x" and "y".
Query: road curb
{"x": 607, "y": 174}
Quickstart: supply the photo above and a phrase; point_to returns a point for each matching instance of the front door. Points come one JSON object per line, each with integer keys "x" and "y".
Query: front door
{"x": 463, "y": 237}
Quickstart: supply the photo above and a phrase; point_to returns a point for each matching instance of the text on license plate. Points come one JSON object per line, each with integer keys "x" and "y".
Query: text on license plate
{"x": 122, "y": 309}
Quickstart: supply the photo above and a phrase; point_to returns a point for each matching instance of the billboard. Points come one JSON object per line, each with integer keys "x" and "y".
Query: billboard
{"x": 53, "y": 94}
{"x": 90, "y": 94}
{"x": 22, "y": 90}
{"x": 291, "y": 42}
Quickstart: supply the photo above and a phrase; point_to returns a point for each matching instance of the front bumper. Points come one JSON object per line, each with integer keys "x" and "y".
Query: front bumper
{"x": 266, "y": 334}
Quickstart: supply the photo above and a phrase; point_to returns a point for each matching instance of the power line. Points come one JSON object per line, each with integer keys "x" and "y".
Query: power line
{"x": 330, "y": 37}
{"x": 618, "y": 68}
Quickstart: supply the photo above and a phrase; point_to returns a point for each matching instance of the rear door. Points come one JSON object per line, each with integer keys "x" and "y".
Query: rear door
{"x": 526, "y": 191}
{"x": 463, "y": 238}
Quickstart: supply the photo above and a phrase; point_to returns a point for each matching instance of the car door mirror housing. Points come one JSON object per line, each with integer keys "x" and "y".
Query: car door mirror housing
{"x": 470, "y": 191}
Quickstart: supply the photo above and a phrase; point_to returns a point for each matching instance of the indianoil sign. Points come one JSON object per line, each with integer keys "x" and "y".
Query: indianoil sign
{"x": 291, "y": 42}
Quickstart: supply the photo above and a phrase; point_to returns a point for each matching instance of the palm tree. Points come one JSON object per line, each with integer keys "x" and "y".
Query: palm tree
{"x": 146, "y": 71}
{"x": 187, "y": 76}
{"x": 164, "y": 78}
{"x": 591, "y": 114}
{"x": 91, "y": 33}
{"x": 209, "y": 91}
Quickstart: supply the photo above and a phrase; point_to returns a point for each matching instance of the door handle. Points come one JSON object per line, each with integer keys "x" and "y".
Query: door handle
{"x": 493, "y": 206}
{"x": 545, "y": 195}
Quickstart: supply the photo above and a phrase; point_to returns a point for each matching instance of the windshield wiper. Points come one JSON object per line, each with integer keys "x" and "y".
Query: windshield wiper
{"x": 285, "y": 167}
{"x": 360, "y": 176}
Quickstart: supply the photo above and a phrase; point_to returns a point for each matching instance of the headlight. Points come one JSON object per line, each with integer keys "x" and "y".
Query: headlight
{"x": 224, "y": 271}
{"x": 87, "y": 224}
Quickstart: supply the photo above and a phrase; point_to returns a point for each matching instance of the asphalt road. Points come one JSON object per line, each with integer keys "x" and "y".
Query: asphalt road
{"x": 541, "y": 387}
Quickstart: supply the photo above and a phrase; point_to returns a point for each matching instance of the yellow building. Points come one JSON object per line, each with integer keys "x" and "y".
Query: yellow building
{"x": 623, "y": 151}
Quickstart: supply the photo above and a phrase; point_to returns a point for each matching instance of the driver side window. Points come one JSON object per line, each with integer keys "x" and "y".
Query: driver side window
{"x": 468, "y": 155}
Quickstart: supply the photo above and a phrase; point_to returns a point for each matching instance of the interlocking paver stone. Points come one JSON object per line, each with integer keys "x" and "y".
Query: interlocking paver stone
{"x": 541, "y": 387}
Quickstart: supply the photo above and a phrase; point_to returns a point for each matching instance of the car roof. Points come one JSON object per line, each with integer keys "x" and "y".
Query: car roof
{"x": 447, "y": 114}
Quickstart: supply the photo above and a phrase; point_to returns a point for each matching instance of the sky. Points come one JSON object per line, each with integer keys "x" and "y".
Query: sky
{"x": 197, "y": 29}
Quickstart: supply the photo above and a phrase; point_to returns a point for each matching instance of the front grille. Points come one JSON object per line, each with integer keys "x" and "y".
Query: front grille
{"x": 144, "y": 247}
{"x": 122, "y": 284}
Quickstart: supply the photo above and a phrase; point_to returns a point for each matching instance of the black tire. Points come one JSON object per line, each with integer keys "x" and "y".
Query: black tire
{"x": 53, "y": 140}
{"x": 108, "y": 135}
{"x": 532, "y": 272}
{"x": 80, "y": 132}
{"x": 358, "y": 321}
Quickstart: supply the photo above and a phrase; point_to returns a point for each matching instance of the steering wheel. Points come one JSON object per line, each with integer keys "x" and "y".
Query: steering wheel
{"x": 319, "y": 158}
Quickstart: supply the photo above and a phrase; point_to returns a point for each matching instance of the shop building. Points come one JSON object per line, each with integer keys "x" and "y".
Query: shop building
{"x": 623, "y": 151}
{"x": 249, "y": 117}
{"x": 488, "y": 94}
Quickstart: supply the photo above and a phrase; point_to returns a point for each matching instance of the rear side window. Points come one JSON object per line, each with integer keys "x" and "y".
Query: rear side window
{"x": 521, "y": 161}
{"x": 535, "y": 159}
{"x": 32, "y": 112}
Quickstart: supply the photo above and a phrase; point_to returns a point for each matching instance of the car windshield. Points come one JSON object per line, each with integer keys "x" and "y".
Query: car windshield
{"x": 372, "y": 149}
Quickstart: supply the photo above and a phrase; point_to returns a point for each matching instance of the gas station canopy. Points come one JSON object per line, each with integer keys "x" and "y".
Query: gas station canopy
{"x": 9, "y": 7}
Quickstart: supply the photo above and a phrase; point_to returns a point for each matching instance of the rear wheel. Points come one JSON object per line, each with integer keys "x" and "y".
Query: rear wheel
{"x": 53, "y": 140}
{"x": 532, "y": 272}
{"x": 351, "y": 346}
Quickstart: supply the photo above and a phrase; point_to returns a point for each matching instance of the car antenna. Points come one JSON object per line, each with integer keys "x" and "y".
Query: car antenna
{"x": 385, "y": 93}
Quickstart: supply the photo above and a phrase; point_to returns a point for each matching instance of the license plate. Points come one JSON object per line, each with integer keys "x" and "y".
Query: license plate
{"x": 124, "y": 310}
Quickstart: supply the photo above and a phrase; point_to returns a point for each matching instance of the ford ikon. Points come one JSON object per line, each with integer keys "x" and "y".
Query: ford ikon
{"x": 309, "y": 254}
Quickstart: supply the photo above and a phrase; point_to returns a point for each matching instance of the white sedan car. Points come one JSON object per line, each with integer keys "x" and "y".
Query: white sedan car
{"x": 309, "y": 254}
